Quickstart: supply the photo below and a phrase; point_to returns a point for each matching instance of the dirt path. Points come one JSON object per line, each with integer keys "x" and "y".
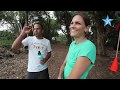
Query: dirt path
{"x": 100, "y": 69}
{"x": 15, "y": 68}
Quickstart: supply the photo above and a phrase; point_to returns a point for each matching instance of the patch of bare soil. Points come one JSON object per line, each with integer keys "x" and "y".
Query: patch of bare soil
{"x": 100, "y": 69}
{"x": 14, "y": 66}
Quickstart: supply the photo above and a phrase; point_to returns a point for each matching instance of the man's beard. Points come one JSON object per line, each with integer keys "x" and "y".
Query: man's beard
{"x": 37, "y": 34}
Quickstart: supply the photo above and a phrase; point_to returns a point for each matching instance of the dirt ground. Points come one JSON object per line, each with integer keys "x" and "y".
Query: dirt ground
{"x": 15, "y": 67}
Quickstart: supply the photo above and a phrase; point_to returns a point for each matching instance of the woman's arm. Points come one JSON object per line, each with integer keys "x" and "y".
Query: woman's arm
{"x": 60, "y": 75}
{"x": 80, "y": 67}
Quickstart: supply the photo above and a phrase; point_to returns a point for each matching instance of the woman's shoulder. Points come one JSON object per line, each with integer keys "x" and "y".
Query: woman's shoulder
{"x": 72, "y": 43}
{"x": 90, "y": 44}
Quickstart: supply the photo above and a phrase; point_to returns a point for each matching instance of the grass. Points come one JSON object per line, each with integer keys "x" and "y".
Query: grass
{"x": 5, "y": 42}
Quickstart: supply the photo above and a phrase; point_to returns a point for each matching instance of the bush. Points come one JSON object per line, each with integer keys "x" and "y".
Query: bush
{"x": 6, "y": 42}
{"x": 61, "y": 38}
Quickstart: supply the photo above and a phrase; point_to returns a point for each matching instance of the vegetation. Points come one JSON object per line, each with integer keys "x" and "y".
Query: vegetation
{"x": 102, "y": 36}
{"x": 61, "y": 38}
{"x": 6, "y": 38}
{"x": 6, "y": 42}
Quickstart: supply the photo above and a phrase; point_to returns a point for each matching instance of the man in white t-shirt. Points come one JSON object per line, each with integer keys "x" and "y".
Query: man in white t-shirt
{"x": 37, "y": 69}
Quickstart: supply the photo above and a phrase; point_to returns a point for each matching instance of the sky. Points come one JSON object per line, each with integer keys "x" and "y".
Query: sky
{"x": 4, "y": 27}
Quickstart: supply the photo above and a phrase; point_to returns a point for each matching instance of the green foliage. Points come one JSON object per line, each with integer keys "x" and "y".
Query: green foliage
{"x": 54, "y": 27}
{"x": 50, "y": 25}
{"x": 6, "y": 38}
{"x": 61, "y": 38}
{"x": 6, "y": 35}
{"x": 118, "y": 52}
{"x": 6, "y": 42}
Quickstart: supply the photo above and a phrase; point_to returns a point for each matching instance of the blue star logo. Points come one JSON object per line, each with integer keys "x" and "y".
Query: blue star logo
{"x": 107, "y": 21}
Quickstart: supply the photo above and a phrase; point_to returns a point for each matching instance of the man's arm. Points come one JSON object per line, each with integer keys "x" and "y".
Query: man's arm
{"x": 46, "y": 58}
{"x": 18, "y": 42}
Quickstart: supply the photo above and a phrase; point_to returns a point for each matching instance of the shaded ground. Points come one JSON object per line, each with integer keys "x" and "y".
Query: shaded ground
{"x": 100, "y": 69}
{"x": 15, "y": 67}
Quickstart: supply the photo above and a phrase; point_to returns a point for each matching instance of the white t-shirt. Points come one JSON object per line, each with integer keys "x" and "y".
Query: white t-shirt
{"x": 35, "y": 45}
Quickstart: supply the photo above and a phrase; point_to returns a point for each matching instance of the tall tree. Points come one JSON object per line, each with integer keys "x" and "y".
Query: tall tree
{"x": 14, "y": 18}
{"x": 64, "y": 18}
{"x": 45, "y": 19}
{"x": 101, "y": 30}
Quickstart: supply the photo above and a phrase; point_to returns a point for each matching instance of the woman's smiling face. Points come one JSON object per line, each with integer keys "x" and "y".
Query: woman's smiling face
{"x": 77, "y": 26}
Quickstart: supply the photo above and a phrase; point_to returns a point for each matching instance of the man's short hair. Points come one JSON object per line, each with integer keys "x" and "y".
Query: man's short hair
{"x": 38, "y": 22}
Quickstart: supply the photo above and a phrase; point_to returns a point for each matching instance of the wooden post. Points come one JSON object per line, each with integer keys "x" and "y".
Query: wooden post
{"x": 118, "y": 44}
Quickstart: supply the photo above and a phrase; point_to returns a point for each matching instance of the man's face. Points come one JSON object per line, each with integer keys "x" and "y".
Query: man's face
{"x": 37, "y": 30}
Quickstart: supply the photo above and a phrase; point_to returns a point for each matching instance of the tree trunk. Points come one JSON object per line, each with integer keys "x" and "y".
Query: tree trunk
{"x": 100, "y": 35}
{"x": 26, "y": 17}
{"x": 69, "y": 40}
{"x": 100, "y": 44}
{"x": 67, "y": 23}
